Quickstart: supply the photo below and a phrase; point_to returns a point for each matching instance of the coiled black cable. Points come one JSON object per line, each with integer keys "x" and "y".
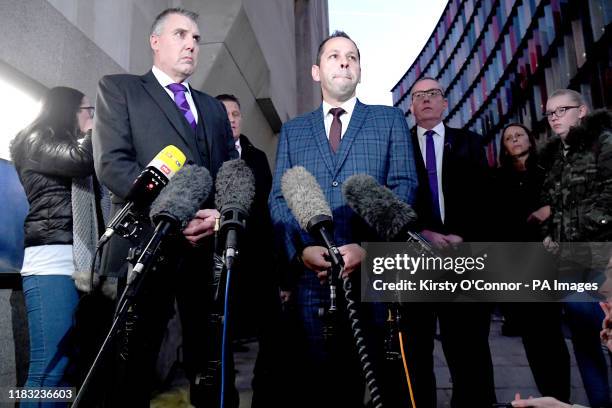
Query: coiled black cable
{"x": 360, "y": 343}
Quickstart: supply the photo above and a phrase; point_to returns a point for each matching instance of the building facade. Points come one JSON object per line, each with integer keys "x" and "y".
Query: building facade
{"x": 500, "y": 59}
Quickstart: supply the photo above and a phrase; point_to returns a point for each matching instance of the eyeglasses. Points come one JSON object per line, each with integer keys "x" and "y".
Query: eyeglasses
{"x": 90, "y": 110}
{"x": 430, "y": 93}
{"x": 560, "y": 111}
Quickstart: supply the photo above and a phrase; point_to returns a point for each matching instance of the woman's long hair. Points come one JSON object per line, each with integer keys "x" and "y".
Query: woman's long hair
{"x": 505, "y": 160}
{"x": 57, "y": 118}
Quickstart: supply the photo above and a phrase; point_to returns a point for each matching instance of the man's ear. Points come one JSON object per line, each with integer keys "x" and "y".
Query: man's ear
{"x": 154, "y": 41}
{"x": 315, "y": 73}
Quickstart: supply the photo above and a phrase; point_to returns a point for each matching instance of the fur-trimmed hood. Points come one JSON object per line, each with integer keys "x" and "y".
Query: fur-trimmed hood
{"x": 590, "y": 128}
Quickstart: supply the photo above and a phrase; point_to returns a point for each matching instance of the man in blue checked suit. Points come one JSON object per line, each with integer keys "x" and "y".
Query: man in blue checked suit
{"x": 341, "y": 138}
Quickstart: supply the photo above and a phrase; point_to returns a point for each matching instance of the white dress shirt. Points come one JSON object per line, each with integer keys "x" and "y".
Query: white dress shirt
{"x": 164, "y": 80}
{"x": 438, "y": 138}
{"x": 238, "y": 147}
{"x": 345, "y": 118}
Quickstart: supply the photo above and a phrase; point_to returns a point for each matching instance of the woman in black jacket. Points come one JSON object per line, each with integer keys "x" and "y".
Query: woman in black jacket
{"x": 518, "y": 185}
{"x": 53, "y": 158}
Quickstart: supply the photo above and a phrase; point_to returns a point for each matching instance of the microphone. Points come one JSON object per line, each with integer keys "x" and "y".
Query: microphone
{"x": 382, "y": 210}
{"x": 309, "y": 206}
{"x": 307, "y": 202}
{"x": 175, "y": 206}
{"x": 235, "y": 191}
{"x": 145, "y": 188}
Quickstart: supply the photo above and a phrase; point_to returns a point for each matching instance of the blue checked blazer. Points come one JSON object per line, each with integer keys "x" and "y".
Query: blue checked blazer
{"x": 377, "y": 142}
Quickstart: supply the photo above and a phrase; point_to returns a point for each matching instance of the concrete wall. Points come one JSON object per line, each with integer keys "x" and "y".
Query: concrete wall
{"x": 311, "y": 27}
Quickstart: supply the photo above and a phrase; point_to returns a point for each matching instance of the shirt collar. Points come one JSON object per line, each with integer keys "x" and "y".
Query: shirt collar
{"x": 348, "y": 106}
{"x": 165, "y": 80}
{"x": 438, "y": 129}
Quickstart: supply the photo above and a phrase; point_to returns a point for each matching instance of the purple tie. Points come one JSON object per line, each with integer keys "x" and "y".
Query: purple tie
{"x": 181, "y": 101}
{"x": 432, "y": 172}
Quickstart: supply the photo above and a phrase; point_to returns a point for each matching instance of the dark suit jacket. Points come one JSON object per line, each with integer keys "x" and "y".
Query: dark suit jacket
{"x": 256, "y": 285}
{"x": 258, "y": 248}
{"x": 464, "y": 184}
{"x": 135, "y": 120}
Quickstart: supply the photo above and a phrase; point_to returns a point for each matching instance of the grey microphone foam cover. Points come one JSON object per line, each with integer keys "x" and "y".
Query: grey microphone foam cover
{"x": 235, "y": 185}
{"x": 183, "y": 195}
{"x": 303, "y": 195}
{"x": 379, "y": 207}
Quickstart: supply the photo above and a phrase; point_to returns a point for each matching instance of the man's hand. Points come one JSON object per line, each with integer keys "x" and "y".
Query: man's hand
{"x": 539, "y": 216}
{"x": 285, "y": 296}
{"x": 441, "y": 241}
{"x": 353, "y": 255}
{"x": 543, "y": 402}
{"x": 606, "y": 325}
{"x": 201, "y": 226}
{"x": 313, "y": 258}
{"x": 550, "y": 245}
{"x": 453, "y": 239}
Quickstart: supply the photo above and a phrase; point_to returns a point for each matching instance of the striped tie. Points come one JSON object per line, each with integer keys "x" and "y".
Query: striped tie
{"x": 181, "y": 101}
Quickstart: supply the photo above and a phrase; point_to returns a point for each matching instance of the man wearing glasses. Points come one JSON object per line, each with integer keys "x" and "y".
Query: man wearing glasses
{"x": 89, "y": 109}
{"x": 451, "y": 169}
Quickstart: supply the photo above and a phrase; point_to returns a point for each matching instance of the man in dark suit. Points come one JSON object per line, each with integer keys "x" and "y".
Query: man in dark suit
{"x": 257, "y": 286}
{"x": 450, "y": 204}
{"x": 340, "y": 138}
{"x": 137, "y": 117}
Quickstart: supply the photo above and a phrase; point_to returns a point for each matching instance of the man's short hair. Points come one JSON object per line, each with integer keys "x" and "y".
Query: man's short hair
{"x": 228, "y": 98}
{"x": 158, "y": 23}
{"x": 335, "y": 34}
{"x": 425, "y": 78}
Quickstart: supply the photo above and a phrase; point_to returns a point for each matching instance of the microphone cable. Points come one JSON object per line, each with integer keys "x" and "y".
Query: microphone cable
{"x": 360, "y": 342}
{"x": 224, "y": 338}
{"x": 405, "y": 363}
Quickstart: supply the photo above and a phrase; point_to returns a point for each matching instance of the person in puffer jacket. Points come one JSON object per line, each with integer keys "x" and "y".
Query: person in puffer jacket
{"x": 53, "y": 158}
{"x": 578, "y": 188}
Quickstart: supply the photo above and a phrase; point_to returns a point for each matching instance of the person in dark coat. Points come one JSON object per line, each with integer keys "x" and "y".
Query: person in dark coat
{"x": 451, "y": 203}
{"x": 54, "y": 161}
{"x": 578, "y": 188}
{"x": 256, "y": 294}
{"x": 520, "y": 213}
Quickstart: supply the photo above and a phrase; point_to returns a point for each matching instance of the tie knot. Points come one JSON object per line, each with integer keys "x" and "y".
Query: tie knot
{"x": 430, "y": 133}
{"x": 337, "y": 112}
{"x": 177, "y": 88}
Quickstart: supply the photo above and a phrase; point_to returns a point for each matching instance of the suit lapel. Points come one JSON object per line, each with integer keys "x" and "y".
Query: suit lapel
{"x": 167, "y": 106}
{"x": 357, "y": 118}
{"x": 320, "y": 138}
{"x": 447, "y": 158}
{"x": 207, "y": 124}
{"x": 418, "y": 156}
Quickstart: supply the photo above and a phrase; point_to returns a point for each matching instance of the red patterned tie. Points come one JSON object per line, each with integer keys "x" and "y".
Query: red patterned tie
{"x": 336, "y": 129}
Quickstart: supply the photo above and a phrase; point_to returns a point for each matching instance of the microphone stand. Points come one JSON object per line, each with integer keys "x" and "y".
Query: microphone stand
{"x": 321, "y": 226}
{"x": 124, "y": 306}
{"x": 211, "y": 383}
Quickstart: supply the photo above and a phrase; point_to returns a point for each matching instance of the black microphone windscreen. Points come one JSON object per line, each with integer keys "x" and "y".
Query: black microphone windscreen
{"x": 235, "y": 185}
{"x": 379, "y": 207}
{"x": 182, "y": 197}
{"x": 303, "y": 195}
